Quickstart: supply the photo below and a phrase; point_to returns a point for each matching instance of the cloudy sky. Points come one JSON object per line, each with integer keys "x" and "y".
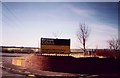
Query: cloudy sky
{"x": 24, "y": 23}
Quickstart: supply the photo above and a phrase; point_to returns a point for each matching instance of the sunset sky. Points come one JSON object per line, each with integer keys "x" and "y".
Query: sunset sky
{"x": 24, "y": 23}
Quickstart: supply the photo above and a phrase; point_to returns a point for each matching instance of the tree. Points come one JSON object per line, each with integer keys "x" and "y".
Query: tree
{"x": 83, "y": 34}
{"x": 57, "y": 34}
{"x": 114, "y": 43}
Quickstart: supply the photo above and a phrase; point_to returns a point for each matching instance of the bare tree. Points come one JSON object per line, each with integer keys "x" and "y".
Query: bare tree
{"x": 57, "y": 34}
{"x": 83, "y": 34}
{"x": 114, "y": 43}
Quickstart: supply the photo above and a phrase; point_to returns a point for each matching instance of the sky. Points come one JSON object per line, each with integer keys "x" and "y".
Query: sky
{"x": 24, "y": 23}
{"x": 60, "y": 0}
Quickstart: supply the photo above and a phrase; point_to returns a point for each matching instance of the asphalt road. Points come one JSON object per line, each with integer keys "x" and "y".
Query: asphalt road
{"x": 6, "y": 73}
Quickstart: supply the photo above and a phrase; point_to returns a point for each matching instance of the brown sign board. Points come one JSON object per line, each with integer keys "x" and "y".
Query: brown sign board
{"x": 55, "y": 46}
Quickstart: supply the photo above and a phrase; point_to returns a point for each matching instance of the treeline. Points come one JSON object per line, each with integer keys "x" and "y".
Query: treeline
{"x": 19, "y": 50}
{"x": 108, "y": 53}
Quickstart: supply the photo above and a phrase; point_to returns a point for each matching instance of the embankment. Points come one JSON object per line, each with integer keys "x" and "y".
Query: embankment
{"x": 73, "y": 65}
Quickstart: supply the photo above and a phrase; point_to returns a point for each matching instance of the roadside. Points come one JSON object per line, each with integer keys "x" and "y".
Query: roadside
{"x": 12, "y": 71}
{"x": 9, "y": 71}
